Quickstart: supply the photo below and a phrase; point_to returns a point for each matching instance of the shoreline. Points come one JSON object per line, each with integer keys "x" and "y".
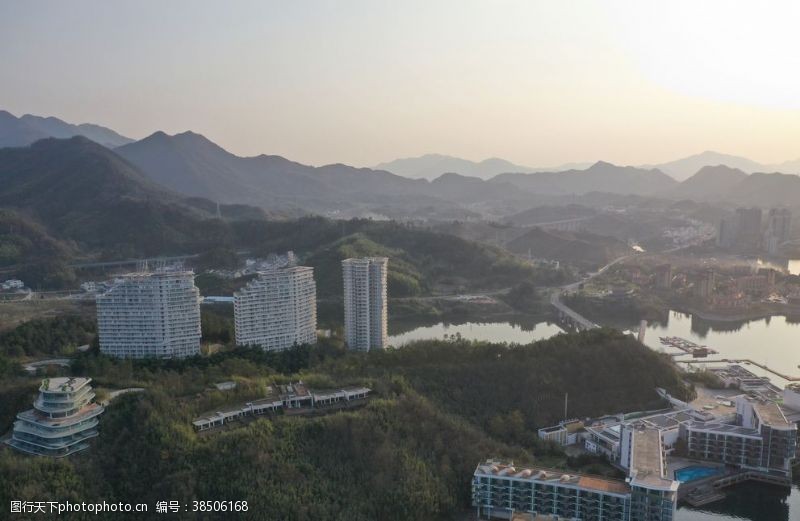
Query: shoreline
{"x": 740, "y": 317}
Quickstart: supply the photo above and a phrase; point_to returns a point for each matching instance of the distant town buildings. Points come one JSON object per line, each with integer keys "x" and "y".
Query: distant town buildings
{"x": 745, "y": 232}
{"x": 706, "y": 284}
{"x": 365, "y": 302}
{"x": 664, "y": 276}
{"x": 779, "y": 225}
{"x": 748, "y": 228}
{"x": 62, "y": 420}
{"x": 277, "y": 309}
{"x": 155, "y": 314}
{"x": 726, "y": 238}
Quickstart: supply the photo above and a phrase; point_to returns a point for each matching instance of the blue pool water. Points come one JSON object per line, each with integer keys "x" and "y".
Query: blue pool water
{"x": 696, "y": 472}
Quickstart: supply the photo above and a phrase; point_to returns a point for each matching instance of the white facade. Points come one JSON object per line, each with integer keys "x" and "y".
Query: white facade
{"x": 365, "y": 307}
{"x": 62, "y": 422}
{"x": 150, "y": 315}
{"x": 278, "y": 309}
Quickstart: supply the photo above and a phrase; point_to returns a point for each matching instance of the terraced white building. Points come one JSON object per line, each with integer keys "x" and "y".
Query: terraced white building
{"x": 365, "y": 309}
{"x": 278, "y": 309}
{"x": 62, "y": 420}
{"x": 150, "y": 315}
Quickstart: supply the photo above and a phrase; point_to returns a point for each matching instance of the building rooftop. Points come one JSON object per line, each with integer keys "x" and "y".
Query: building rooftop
{"x": 63, "y": 384}
{"x": 296, "y": 389}
{"x": 609, "y": 432}
{"x": 600, "y": 484}
{"x": 647, "y": 461}
{"x": 770, "y": 414}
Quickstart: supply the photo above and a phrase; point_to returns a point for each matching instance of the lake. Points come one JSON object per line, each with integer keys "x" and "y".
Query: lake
{"x": 518, "y": 330}
{"x": 749, "y": 501}
{"x": 773, "y": 341}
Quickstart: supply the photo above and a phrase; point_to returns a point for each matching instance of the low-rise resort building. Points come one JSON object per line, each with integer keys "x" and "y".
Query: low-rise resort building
{"x": 293, "y": 398}
{"x": 762, "y": 439}
{"x": 741, "y": 435}
{"x": 62, "y": 420}
{"x": 502, "y": 490}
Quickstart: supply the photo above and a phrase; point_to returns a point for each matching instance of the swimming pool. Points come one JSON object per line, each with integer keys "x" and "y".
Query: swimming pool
{"x": 696, "y": 472}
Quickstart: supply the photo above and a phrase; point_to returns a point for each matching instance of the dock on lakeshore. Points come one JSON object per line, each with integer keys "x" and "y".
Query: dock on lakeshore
{"x": 744, "y": 360}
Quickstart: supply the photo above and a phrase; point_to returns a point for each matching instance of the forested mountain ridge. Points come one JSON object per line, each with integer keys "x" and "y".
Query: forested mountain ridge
{"x": 27, "y": 129}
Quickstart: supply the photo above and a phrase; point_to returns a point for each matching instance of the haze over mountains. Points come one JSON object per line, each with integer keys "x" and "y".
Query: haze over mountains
{"x": 191, "y": 165}
{"x": 686, "y": 167}
{"x": 25, "y": 130}
{"x": 84, "y": 193}
{"x": 431, "y": 166}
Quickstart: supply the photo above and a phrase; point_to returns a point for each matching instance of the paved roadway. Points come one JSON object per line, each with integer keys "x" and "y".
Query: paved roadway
{"x": 555, "y": 296}
{"x": 33, "y": 366}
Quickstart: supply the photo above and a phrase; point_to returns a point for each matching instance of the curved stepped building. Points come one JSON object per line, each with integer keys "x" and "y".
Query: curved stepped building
{"x": 62, "y": 420}
{"x": 278, "y": 309}
{"x": 150, "y": 315}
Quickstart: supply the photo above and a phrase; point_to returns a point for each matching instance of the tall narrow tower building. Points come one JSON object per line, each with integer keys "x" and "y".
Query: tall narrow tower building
{"x": 365, "y": 308}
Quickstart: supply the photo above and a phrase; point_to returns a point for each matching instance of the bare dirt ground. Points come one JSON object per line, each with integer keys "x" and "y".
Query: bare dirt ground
{"x": 15, "y": 313}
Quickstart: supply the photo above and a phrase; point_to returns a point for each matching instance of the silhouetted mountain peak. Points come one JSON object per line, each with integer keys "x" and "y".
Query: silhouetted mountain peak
{"x": 25, "y": 130}
{"x": 720, "y": 170}
{"x": 601, "y": 165}
{"x": 449, "y": 177}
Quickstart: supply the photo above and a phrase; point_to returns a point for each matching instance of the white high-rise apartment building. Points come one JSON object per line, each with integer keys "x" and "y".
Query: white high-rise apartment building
{"x": 365, "y": 315}
{"x": 278, "y": 309}
{"x": 149, "y": 315}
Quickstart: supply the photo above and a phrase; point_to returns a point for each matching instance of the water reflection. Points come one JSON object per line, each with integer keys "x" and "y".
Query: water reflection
{"x": 771, "y": 341}
{"x": 515, "y": 329}
{"x": 751, "y": 501}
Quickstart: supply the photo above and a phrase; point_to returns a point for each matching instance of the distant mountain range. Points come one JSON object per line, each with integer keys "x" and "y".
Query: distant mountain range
{"x": 710, "y": 182}
{"x": 190, "y": 165}
{"x": 431, "y": 166}
{"x": 722, "y": 183}
{"x": 25, "y": 130}
{"x": 684, "y": 168}
{"x": 600, "y": 177}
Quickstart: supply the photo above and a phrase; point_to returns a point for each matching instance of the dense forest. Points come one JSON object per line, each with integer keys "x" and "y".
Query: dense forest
{"x": 48, "y": 336}
{"x": 438, "y": 408}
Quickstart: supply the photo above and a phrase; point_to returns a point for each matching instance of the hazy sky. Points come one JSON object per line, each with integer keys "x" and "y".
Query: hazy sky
{"x": 538, "y": 83}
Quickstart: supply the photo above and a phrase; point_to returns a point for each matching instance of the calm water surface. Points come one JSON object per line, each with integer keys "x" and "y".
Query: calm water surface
{"x": 774, "y": 341}
{"x": 520, "y": 333}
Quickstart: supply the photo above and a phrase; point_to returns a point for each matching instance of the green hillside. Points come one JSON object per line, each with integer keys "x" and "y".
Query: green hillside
{"x": 67, "y": 199}
{"x": 438, "y": 409}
